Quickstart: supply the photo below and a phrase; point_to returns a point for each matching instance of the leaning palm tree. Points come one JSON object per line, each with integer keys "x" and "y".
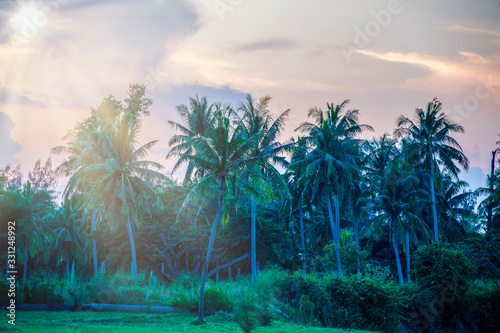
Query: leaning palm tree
{"x": 266, "y": 155}
{"x": 430, "y": 139}
{"x": 219, "y": 154}
{"x": 332, "y": 158}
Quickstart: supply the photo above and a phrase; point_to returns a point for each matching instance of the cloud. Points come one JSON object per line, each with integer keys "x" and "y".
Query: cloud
{"x": 267, "y": 44}
{"x": 451, "y": 75}
{"x": 8, "y": 147}
{"x": 7, "y": 97}
{"x": 492, "y": 32}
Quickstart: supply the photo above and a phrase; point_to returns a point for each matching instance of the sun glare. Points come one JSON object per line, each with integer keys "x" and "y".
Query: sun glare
{"x": 26, "y": 19}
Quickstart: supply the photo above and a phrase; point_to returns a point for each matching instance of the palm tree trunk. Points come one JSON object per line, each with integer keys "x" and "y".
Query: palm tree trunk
{"x": 211, "y": 240}
{"x": 396, "y": 252}
{"x": 356, "y": 239}
{"x": 94, "y": 245}
{"x": 26, "y": 255}
{"x": 67, "y": 263}
{"x": 302, "y": 240}
{"x": 433, "y": 198}
{"x": 337, "y": 223}
{"x": 490, "y": 206}
{"x": 408, "y": 256}
{"x": 254, "y": 252}
{"x": 336, "y": 240}
{"x": 132, "y": 249}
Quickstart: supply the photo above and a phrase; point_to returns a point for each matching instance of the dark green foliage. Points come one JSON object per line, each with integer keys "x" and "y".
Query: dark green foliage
{"x": 215, "y": 300}
{"x": 437, "y": 267}
{"x": 350, "y": 302}
{"x": 361, "y": 303}
{"x": 4, "y": 287}
{"x": 482, "y": 306}
{"x": 438, "y": 300}
{"x": 250, "y": 314}
{"x": 38, "y": 291}
{"x": 186, "y": 303}
{"x": 484, "y": 252}
{"x": 349, "y": 254}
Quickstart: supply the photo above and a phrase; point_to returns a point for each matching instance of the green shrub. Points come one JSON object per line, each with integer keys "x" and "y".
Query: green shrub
{"x": 350, "y": 302}
{"x": 38, "y": 291}
{"x": 437, "y": 267}
{"x": 216, "y": 300}
{"x": 306, "y": 308}
{"x": 442, "y": 276}
{"x": 187, "y": 303}
{"x": 482, "y": 306}
{"x": 250, "y": 314}
{"x": 361, "y": 303}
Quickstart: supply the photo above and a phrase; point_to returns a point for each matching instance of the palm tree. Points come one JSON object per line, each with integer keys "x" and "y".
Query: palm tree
{"x": 67, "y": 223}
{"x": 430, "y": 139}
{"x": 110, "y": 167}
{"x": 80, "y": 157}
{"x": 296, "y": 188}
{"x": 195, "y": 121}
{"x": 29, "y": 207}
{"x": 332, "y": 159}
{"x": 394, "y": 204}
{"x": 219, "y": 154}
{"x": 456, "y": 206}
{"x": 265, "y": 156}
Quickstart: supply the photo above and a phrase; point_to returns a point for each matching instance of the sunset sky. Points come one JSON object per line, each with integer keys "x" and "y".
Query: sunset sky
{"x": 58, "y": 58}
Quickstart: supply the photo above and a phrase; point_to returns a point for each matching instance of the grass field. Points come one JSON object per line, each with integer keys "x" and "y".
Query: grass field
{"x": 42, "y": 321}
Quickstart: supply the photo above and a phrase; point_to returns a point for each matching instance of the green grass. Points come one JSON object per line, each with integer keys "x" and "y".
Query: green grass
{"x": 43, "y": 321}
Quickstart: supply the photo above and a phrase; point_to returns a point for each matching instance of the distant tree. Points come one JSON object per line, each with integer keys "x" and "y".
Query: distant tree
{"x": 43, "y": 177}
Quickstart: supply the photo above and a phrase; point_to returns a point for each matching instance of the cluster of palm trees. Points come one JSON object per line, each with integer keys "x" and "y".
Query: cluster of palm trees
{"x": 404, "y": 182}
{"x": 324, "y": 186}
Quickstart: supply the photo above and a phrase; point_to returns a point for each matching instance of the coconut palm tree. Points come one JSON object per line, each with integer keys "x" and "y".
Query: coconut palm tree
{"x": 266, "y": 155}
{"x": 296, "y": 188}
{"x": 395, "y": 204}
{"x": 195, "y": 121}
{"x": 110, "y": 167}
{"x": 430, "y": 139}
{"x": 219, "y": 154}
{"x": 29, "y": 207}
{"x": 331, "y": 159}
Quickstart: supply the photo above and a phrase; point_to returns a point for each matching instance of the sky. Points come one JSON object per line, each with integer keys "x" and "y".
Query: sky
{"x": 59, "y": 58}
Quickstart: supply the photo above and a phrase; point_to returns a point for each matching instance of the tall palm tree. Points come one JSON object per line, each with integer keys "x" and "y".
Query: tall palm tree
{"x": 394, "y": 204}
{"x": 265, "y": 156}
{"x": 80, "y": 157}
{"x": 296, "y": 188}
{"x": 430, "y": 139}
{"x": 110, "y": 167}
{"x": 219, "y": 154}
{"x": 332, "y": 159}
{"x": 195, "y": 121}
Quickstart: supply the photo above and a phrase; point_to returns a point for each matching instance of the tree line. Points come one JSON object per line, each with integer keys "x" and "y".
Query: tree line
{"x": 325, "y": 193}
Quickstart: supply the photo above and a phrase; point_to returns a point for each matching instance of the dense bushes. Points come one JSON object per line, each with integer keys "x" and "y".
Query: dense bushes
{"x": 215, "y": 300}
{"x": 352, "y": 302}
{"x": 444, "y": 296}
{"x": 438, "y": 300}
